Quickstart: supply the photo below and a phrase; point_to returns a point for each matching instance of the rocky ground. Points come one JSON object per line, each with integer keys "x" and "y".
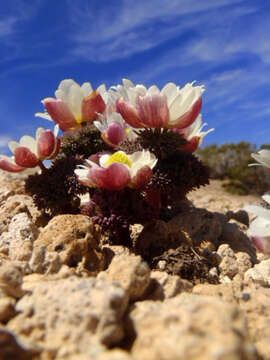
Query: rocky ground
{"x": 191, "y": 288}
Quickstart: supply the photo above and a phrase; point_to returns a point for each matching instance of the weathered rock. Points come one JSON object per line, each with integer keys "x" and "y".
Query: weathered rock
{"x": 17, "y": 204}
{"x": 44, "y": 262}
{"x": 243, "y": 262}
{"x": 74, "y": 239}
{"x": 190, "y": 327}
{"x": 10, "y": 289}
{"x": 115, "y": 354}
{"x": 80, "y": 311}
{"x": 237, "y": 240}
{"x": 131, "y": 272}
{"x": 260, "y": 273}
{"x": 256, "y": 306}
{"x": 164, "y": 286}
{"x": 17, "y": 243}
{"x": 228, "y": 266}
{"x": 13, "y": 348}
{"x": 11, "y": 277}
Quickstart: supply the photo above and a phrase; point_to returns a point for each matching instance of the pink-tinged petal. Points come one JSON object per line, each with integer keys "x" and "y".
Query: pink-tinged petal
{"x": 56, "y": 149}
{"x": 189, "y": 117}
{"x": 192, "y": 144}
{"x": 114, "y": 177}
{"x": 95, "y": 158}
{"x": 115, "y": 133}
{"x": 141, "y": 178}
{"x": 46, "y": 144}
{"x": 9, "y": 166}
{"x": 25, "y": 158}
{"x": 261, "y": 243}
{"x": 184, "y": 132}
{"x": 60, "y": 113}
{"x": 153, "y": 110}
{"x": 91, "y": 105}
{"x": 128, "y": 113}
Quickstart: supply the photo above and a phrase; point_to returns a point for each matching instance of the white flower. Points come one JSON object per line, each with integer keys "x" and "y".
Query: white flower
{"x": 263, "y": 158}
{"x": 74, "y": 104}
{"x": 259, "y": 229}
{"x": 153, "y": 108}
{"x": 116, "y": 171}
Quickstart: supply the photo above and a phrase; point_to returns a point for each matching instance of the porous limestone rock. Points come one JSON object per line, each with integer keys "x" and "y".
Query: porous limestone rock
{"x": 228, "y": 265}
{"x": 68, "y": 315}
{"x": 164, "y": 286}
{"x": 260, "y": 273}
{"x": 131, "y": 272}
{"x": 74, "y": 238}
{"x": 17, "y": 243}
{"x": 12, "y": 347}
{"x": 243, "y": 262}
{"x": 189, "y": 327}
{"x": 17, "y": 204}
{"x": 256, "y": 306}
{"x": 10, "y": 289}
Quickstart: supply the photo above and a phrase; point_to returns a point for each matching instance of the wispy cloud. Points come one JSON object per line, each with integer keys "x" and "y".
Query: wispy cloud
{"x": 122, "y": 29}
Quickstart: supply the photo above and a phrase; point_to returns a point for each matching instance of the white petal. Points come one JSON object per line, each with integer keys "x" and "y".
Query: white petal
{"x": 29, "y": 142}
{"x": 13, "y": 145}
{"x": 127, "y": 83}
{"x": 103, "y": 160}
{"x": 56, "y": 130}
{"x": 90, "y": 164}
{"x": 86, "y": 89}
{"x": 259, "y": 211}
{"x": 38, "y": 132}
{"x": 153, "y": 90}
{"x": 44, "y": 115}
{"x": 75, "y": 98}
{"x": 259, "y": 227}
{"x": 171, "y": 91}
{"x": 266, "y": 197}
{"x": 63, "y": 89}
{"x": 100, "y": 126}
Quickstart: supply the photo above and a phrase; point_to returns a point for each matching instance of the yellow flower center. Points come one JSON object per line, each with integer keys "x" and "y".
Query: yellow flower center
{"x": 119, "y": 157}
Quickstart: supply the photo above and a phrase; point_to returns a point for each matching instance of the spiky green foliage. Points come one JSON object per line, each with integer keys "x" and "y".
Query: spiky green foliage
{"x": 55, "y": 190}
{"x": 85, "y": 141}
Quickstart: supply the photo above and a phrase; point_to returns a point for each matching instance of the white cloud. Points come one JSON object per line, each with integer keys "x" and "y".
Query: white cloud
{"x": 125, "y": 28}
{"x": 4, "y": 139}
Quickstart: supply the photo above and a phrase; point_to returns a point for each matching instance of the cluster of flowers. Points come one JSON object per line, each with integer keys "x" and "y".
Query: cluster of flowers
{"x": 116, "y": 113}
{"x": 259, "y": 229}
{"x": 121, "y": 114}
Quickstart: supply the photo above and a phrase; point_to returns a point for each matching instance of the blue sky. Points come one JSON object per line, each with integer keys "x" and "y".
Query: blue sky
{"x": 223, "y": 44}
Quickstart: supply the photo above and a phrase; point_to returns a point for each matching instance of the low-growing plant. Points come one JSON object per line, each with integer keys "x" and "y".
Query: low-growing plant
{"x": 130, "y": 148}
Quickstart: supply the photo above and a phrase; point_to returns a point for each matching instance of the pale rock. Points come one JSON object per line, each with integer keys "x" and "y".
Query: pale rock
{"x": 74, "y": 240}
{"x": 189, "y": 327}
{"x": 17, "y": 243}
{"x": 115, "y": 354}
{"x": 260, "y": 273}
{"x": 243, "y": 262}
{"x": 228, "y": 266}
{"x": 165, "y": 286}
{"x": 13, "y": 347}
{"x": 71, "y": 313}
{"x": 131, "y": 272}
{"x": 44, "y": 262}
{"x": 10, "y": 289}
{"x": 257, "y": 310}
{"x": 17, "y": 204}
